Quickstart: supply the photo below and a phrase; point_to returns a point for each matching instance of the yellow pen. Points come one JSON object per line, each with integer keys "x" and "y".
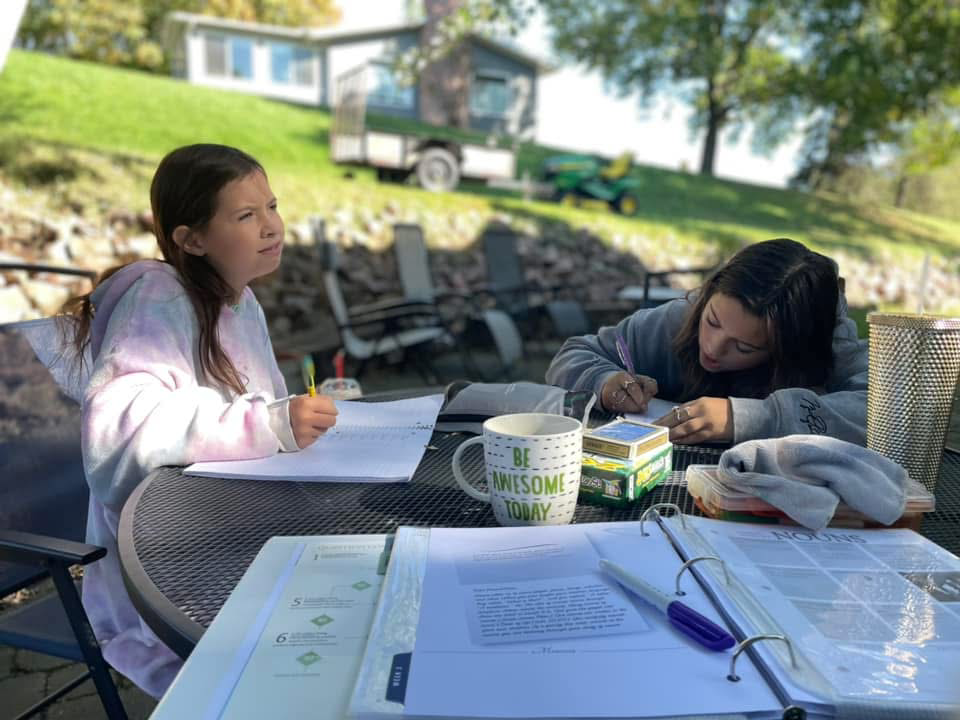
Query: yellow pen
{"x": 308, "y": 376}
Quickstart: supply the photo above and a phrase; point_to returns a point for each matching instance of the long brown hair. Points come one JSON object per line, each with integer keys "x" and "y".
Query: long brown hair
{"x": 185, "y": 191}
{"x": 793, "y": 289}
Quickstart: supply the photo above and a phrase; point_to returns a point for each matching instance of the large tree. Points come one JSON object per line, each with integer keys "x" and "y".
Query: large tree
{"x": 874, "y": 75}
{"x": 725, "y": 57}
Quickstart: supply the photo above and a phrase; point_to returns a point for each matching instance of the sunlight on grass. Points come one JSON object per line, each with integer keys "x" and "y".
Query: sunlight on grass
{"x": 89, "y": 134}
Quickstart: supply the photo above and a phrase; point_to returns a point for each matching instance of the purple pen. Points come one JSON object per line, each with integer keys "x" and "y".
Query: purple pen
{"x": 624, "y": 354}
{"x": 682, "y": 617}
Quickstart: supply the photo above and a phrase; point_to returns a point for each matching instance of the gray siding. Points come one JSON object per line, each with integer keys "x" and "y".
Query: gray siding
{"x": 397, "y": 45}
{"x": 520, "y": 118}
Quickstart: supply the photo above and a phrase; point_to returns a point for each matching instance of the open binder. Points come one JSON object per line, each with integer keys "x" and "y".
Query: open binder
{"x": 520, "y": 622}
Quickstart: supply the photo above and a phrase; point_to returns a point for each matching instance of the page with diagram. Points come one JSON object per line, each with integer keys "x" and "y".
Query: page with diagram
{"x": 288, "y": 641}
{"x": 876, "y": 612}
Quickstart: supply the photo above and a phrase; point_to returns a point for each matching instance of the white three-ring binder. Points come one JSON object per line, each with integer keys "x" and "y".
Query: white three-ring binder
{"x": 520, "y": 622}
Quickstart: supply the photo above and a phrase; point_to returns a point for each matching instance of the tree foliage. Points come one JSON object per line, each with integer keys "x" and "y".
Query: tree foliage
{"x": 106, "y": 31}
{"x": 874, "y": 73}
{"x": 724, "y": 57}
{"x": 128, "y": 32}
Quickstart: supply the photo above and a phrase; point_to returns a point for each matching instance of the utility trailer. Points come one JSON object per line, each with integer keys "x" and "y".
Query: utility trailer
{"x": 437, "y": 156}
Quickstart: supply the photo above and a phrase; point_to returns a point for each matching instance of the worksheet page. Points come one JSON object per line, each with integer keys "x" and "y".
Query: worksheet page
{"x": 520, "y": 622}
{"x": 876, "y": 612}
{"x": 656, "y": 409}
{"x": 371, "y": 442}
{"x": 288, "y": 641}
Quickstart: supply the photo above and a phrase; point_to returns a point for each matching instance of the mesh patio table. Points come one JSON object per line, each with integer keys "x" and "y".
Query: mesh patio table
{"x": 185, "y": 542}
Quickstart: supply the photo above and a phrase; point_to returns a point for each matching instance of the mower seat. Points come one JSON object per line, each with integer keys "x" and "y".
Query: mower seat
{"x": 618, "y": 168}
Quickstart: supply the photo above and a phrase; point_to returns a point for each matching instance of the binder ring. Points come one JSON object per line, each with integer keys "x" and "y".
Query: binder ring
{"x": 653, "y": 508}
{"x": 732, "y": 676}
{"x": 691, "y": 561}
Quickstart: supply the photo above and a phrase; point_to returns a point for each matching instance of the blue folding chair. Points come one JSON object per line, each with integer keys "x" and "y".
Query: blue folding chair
{"x": 43, "y": 509}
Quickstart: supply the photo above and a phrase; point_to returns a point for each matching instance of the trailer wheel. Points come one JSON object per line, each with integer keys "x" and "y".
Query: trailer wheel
{"x": 438, "y": 170}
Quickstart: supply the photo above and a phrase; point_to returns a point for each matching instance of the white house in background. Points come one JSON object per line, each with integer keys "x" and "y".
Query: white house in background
{"x": 491, "y": 87}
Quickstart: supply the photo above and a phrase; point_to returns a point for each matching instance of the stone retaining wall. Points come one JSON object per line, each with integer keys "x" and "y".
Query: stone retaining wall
{"x": 293, "y": 298}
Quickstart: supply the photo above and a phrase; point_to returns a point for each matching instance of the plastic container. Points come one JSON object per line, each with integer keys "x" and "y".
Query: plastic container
{"x": 340, "y": 388}
{"x": 717, "y": 500}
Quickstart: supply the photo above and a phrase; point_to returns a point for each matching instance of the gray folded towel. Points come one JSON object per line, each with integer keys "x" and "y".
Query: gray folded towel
{"x": 806, "y": 476}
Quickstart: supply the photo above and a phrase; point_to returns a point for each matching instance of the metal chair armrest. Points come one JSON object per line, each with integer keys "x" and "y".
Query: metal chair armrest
{"x": 371, "y": 317}
{"x": 30, "y": 267}
{"x": 392, "y": 306}
{"x": 32, "y": 549}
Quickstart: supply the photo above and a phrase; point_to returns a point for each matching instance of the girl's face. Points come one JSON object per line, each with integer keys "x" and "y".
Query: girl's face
{"x": 244, "y": 239}
{"x": 731, "y": 338}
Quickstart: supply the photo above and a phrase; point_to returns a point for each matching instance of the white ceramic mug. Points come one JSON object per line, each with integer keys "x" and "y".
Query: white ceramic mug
{"x": 533, "y": 463}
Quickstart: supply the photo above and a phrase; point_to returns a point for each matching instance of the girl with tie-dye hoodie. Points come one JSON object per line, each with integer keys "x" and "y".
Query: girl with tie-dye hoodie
{"x": 181, "y": 368}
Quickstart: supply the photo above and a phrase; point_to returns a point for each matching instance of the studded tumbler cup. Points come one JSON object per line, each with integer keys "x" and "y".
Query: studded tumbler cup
{"x": 914, "y": 364}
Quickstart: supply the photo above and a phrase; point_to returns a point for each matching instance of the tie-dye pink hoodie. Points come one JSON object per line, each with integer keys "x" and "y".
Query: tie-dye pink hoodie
{"x": 147, "y": 405}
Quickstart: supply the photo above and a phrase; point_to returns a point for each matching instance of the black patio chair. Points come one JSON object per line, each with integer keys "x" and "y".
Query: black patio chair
{"x": 484, "y": 328}
{"x": 43, "y": 513}
{"x": 535, "y": 308}
{"x": 651, "y": 294}
{"x": 410, "y": 330}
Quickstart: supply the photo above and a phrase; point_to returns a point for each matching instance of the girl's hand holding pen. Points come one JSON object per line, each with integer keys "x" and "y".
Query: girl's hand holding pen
{"x": 624, "y": 392}
{"x": 311, "y": 417}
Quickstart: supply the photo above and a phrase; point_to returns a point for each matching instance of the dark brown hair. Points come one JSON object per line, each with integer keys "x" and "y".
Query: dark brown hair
{"x": 793, "y": 289}
{"x": 185, "y": 191}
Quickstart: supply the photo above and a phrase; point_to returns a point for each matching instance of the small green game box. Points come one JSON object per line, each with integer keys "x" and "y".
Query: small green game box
{"x": 611, "y": 481}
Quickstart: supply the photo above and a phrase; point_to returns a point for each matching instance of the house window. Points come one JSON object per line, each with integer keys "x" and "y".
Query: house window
{"x": 490, "y": 94}
{"x": 386, "y": 90}
{"x": 215, "y": 55}
{"x": 229, "y": 56}
{"x": 241, "y": 55}
{"x": 291, "y": 64}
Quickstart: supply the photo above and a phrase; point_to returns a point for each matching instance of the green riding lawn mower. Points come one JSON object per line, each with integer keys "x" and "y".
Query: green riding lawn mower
{"x": 582, "y": 180}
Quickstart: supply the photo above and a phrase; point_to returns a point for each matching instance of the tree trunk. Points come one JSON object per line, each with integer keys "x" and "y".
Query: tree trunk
{"x": 709, "y": 146}
{"x": 716, "y": 115}
{"x": 901, "y": 191}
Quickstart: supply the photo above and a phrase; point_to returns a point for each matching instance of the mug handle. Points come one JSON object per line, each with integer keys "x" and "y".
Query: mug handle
{"x": 458, "y": 473}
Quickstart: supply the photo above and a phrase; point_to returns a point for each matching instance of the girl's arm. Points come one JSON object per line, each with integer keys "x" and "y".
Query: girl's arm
{"x": 144, "y": 406}
{"x": 588, "y": 361}
{"x": 839, "y": 412}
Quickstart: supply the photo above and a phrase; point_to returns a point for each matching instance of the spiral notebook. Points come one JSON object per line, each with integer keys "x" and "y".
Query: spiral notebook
{"x": 519, "y": 622}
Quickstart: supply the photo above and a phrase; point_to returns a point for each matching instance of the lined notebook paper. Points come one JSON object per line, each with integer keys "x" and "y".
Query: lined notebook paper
{"x": 371, "y": 442}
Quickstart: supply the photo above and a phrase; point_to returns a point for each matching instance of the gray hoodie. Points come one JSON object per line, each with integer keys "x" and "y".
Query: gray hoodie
{"x": 586, "y": 362}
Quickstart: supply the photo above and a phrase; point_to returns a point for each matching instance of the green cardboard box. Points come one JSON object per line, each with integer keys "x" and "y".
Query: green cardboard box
{"x": 611, "y": 481}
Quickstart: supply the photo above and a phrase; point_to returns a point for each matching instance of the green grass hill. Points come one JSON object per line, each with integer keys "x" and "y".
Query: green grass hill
{"x": 90, "y": 133}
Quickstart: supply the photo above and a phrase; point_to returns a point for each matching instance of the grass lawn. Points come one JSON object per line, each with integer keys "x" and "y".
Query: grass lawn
{"x": 89, "y": 132}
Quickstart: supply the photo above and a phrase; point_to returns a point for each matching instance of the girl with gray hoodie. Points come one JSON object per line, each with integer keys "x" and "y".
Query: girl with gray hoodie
{"x": 763, "y": 349}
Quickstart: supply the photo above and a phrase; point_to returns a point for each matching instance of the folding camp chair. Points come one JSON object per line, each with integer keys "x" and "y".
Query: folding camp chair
{"x": 516, "y": 297}
{"x": 407, "y": 329}
{"x": 649, "y": 295}
{"x": 485, "y": 328}
{"x": 43, "y": 508}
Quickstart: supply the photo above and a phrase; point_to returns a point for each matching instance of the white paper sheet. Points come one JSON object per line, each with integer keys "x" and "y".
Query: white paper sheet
{"x": 371, "y": 442}
{"x": 288, "y": 641}
{"x": 656, "y": 409}
{"x": 553, "y": 659}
